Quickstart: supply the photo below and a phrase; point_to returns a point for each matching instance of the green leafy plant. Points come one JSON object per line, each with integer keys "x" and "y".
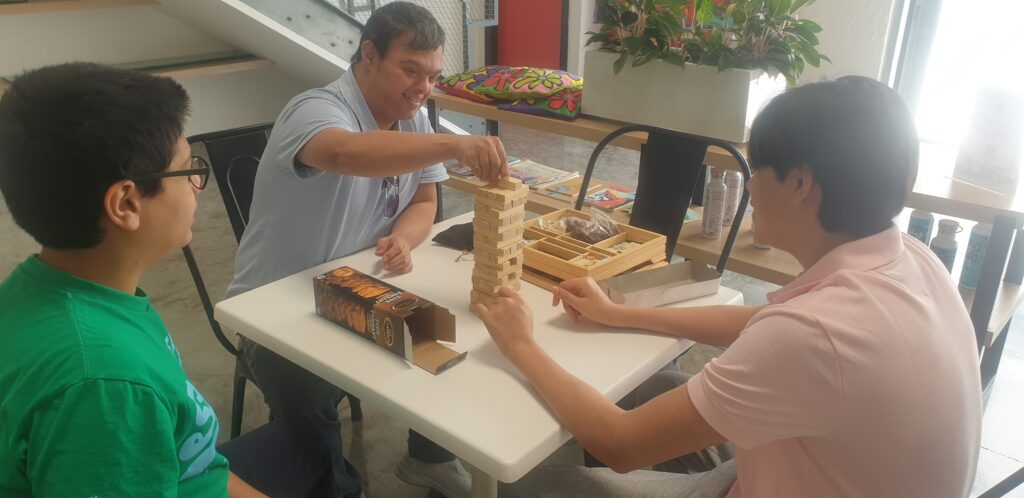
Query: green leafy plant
{"x": 742, "y": 34}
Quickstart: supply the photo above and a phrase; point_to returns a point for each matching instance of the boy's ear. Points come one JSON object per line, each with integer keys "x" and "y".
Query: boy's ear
{"x": 802, "y": 186}
{"x": 121, "y": 205}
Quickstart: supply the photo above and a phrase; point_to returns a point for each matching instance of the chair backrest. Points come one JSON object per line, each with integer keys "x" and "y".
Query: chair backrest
{"x": 234, "y": 156}
{"x": 670, "y": 164}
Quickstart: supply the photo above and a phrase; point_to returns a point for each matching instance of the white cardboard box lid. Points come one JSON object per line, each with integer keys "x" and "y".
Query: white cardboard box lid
{"x": 668, "y": 284}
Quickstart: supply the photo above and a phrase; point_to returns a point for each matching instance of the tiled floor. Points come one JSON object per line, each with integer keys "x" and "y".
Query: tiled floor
{"x": 377, "y": 443}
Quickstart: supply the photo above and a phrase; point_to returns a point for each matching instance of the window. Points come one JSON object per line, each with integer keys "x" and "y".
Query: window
{"x": 952, "y": 49}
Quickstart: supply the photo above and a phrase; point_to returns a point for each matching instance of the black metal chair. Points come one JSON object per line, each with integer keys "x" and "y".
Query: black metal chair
{"x": 234, "y": 157}
{"x": 670, "y": 164}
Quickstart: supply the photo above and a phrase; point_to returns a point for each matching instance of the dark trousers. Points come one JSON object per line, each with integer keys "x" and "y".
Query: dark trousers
{"x": 294, "y": 393}
{"x": 283, "y": 459}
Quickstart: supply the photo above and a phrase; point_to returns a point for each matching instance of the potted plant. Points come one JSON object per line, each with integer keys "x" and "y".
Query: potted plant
{"x": 699, "y": 66}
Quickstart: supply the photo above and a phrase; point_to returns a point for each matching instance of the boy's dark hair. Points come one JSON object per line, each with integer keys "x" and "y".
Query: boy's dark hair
{"x": 68, "y": 132}
{"x": 857, "y": 137}
{"x": 394, "y": 20}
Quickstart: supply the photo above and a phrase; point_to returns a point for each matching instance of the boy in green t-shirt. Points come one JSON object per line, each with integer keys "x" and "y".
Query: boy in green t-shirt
{"x": 94, "y": 165}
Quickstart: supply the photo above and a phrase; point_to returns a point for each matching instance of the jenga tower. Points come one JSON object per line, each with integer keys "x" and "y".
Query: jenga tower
{"x": 498, "y": 238}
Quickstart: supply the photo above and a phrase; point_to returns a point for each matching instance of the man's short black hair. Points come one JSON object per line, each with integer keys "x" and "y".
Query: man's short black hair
{"x": 857, "y": 137}
{"x": 394, "y": 20}
{"x": 68, "y": 132}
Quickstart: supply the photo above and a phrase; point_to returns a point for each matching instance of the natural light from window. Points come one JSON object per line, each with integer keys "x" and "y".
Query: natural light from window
{"x": 969, "y": 53}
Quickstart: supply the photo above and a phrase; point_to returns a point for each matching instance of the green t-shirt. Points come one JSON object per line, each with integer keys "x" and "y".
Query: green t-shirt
{"x": 93, "y": 398}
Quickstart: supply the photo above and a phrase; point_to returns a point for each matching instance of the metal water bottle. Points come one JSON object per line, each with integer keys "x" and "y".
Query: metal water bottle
{"x": 733, "y": 191}
{"x": 944, "y": 244}
{"x": 976, "y": 248}
{"x": 714, "y": 206}
{"x": 921, "y": 224}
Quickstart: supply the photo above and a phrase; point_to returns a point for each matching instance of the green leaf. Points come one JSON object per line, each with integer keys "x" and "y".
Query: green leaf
{"x": 632, "y": 44}
{"x": 619, "y": 63}
{"x": 799, "y": 4}
{"x": 777, "y": 8}
{"x": 810, "y": 25}
{"x": 705, "y": 11}
{"x": 804, "y": 33}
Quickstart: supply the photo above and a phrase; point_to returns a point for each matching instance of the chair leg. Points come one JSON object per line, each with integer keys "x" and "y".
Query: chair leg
{"x": 237, "y": 405}
{"x": 356, "y": 407}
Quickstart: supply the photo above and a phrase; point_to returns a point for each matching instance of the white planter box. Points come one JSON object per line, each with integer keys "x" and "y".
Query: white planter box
{"x": 695, "y": 99}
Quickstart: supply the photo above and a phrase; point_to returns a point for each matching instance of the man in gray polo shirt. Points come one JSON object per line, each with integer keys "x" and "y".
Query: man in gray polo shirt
{"x": 349, "y": 166}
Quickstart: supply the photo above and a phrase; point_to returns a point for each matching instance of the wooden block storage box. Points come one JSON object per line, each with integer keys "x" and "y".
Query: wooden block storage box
{"x": 550, "y": 257}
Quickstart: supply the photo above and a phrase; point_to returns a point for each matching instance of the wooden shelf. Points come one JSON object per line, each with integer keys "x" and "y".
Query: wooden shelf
{"x": 586, "y": 128}
{"x": 50, "y": 6}
{"x": 214, "y": 68}
{"x": 1008, "y": 298}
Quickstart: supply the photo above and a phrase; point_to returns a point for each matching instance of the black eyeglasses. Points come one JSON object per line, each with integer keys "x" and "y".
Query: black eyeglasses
{"x": 197, "y": 175}
{"x": 390, "y": 188}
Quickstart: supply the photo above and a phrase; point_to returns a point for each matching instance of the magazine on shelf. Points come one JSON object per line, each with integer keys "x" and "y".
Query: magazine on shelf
{"x": 690, "y": 216}
{"x": 611, "y": 197}
{"x": 536, "y": 175}
{"x": 568, "y": 190}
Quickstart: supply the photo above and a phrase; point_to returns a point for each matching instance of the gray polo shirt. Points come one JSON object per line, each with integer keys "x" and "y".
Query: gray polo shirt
{"x": 301, "y": 216}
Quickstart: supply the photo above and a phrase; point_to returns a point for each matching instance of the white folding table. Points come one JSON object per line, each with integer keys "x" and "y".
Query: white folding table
{"x": 482, "y": 409}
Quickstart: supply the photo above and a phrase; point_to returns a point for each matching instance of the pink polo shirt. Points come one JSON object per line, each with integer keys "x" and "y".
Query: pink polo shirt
{"x": 860, "y": 378}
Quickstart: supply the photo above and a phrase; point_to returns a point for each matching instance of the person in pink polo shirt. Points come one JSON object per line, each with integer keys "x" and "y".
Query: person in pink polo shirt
{"x": 858, "y": 379}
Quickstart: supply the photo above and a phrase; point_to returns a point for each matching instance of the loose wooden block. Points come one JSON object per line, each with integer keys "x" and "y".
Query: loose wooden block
{"x": 510, "y": 183}
{"x": 506, "y": 278}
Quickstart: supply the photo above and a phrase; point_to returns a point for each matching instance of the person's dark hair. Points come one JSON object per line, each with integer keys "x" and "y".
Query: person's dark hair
{"x": 68, "y": 132}
{"x": 393, "y": 20}
{"x": 857, "y": 137}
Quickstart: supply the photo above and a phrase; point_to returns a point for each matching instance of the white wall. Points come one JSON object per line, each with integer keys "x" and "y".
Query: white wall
{"x": 238, "y": 99}
{"x": 137, "y": 34}
{"x": 111, "y": 36}
{"x": 854, "y": 36}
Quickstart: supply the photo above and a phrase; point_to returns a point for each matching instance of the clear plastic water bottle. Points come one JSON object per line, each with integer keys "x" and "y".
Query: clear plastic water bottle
{"x": 754, "y": 240}
{"x": 921, "y": 224}
{"x": 975, "y": 256}
{"x": 944, "y": 244}
{"x": 733, "y": 191}
{"x": 714, "y": 206}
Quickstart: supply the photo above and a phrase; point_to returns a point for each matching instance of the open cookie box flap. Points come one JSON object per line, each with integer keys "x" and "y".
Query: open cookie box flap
{"x": 665, "y": 285}
{"x": 427, "y": 326}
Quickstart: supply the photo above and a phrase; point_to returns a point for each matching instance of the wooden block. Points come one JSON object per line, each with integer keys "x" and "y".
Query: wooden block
{"x": 510, "y": 183}
{"x": 488, "y": 213}
{"x": 491, "y": 288}
{"x": 479, "y": 297}
{"x": 500, "y": 279}
{"x": 513, "y": 262}
{"x": 489, "y": 228}
{"x": 498, "y": 256}
{"x": 490, "y": 222}
{"x": 502, "y": 203}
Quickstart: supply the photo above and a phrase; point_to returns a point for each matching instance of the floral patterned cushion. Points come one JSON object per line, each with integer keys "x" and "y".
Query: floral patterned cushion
{"x": 516, "y": 83}
{"x": 564, "y": 105}
{"x": 464, "y": 84}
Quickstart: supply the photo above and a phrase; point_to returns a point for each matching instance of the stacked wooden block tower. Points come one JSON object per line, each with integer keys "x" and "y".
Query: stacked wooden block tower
{"x": 498, "y": 238}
